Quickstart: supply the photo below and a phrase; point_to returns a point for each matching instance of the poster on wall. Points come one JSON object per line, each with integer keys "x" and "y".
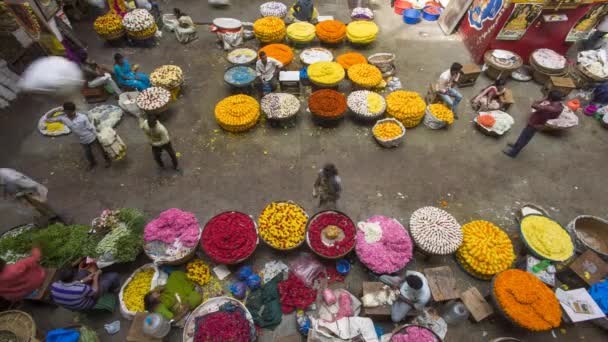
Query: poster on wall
{"x": 25, "y": 16}
{"x": 521, "y": 18}
{"x": 483, "y": 10}
{"x": 582, "y": 29}
{"x": 48, "y": 8}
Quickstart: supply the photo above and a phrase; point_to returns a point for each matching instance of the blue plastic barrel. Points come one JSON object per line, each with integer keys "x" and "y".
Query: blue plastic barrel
{"x": 428, "y": 16}
{"x": 411, "y": 16}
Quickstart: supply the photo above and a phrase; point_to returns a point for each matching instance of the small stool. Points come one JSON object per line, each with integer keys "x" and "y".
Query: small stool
{"x": 431, "y": 95}
{"x": 290, "y": 82}
{"x": 94, "y": 95}
{"x": 563, "y": 84}
{"x": 470, "y": 73}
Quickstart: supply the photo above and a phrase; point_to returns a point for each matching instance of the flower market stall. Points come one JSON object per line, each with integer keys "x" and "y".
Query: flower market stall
{"x": 133, "y": 290}
{"x": 280, "y": 107}
{"x": 139, "y": 24}
{"x": 170, "y": 77}
{"x": 172, "y": 237}
{"x": 435, "y": 231}
{"x": 282, "y": 225}
{"x": 383, "y": 245}
{"x": 330, "y": 234}
{"x": 109, "y": 26}
{"x": 230, "y": 237}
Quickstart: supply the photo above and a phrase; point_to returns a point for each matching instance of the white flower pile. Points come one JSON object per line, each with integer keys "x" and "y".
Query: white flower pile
{"x": 362, "y": 13}
{"x": 357, "y": 102}
{"x": 314, "y": 55}
{"x": 138, "y": 20}
{"x": 273, "y": 9}
{"x": 153, "y": 98}
{"x": 280, "y": 105}
{"x": 435, "y": 231}
{"x": 549, "y": 59}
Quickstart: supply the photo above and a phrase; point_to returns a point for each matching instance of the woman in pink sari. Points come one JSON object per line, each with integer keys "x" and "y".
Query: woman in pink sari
{"x": 489, "y": 98}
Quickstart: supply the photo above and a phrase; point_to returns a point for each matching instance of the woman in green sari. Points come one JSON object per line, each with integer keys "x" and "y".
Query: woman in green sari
{"x": 174, "y": 300}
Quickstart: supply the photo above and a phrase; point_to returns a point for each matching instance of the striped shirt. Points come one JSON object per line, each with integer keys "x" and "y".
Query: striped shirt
{"x": 73, "y": 296}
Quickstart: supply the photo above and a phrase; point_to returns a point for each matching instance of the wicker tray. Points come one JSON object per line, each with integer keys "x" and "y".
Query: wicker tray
{"x": 308, "y": 238}
{"x": 115, "y": 36}
{"x": 18, "y": 323}
{"x": 405, "y": 326}
{"x": 533, "y": 251}
{"x": 255, "y": 226}
{"x": 210, "y": 306}
{"x": 178, "y": 261}
{"x": 303, "y": 238}
{"x": 589, "y": 75}
{"x": 545, "y": 69}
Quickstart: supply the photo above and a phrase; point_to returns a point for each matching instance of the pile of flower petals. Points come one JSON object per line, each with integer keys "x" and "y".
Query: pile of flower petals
{"x": 172, "y": 225}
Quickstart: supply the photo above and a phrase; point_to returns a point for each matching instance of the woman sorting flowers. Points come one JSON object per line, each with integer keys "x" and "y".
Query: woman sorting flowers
{"x": 489, "y": 98}
{"x": 174, "y": 300}
{"x": 126, "y": 76}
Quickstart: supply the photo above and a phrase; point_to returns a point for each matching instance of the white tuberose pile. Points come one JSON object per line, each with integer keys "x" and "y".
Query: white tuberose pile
{"x": 435, "y": 231}
{"x": 280, "y": 105}
{"x": 274, "y": 9}
{"x": 138, "y": 20}
{"x": 153, "y": 98}
{"x": 358, "y": 102}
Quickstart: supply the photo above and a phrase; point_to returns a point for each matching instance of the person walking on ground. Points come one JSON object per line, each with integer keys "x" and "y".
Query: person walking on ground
{"x": 85, "y": 131}
{"x": 20, "y": 279}
{"x": 542, "y": 111}
{"x": 80, "y": 290}
{"x": 158, "y": 137}
{"x": 446, "y": 87}
{"x": 328, "y": 186}
{"x": 27, "y": 191}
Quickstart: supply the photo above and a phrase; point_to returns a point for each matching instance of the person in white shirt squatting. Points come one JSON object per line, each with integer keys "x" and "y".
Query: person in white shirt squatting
{"x": 446, "y": 87}
{"x": 267, "y": 69}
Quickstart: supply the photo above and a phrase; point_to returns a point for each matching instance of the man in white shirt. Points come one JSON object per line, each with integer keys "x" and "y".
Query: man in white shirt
{"x": 267, "y": 68}
{"x": 446, "y": 87}
{"x": 158, "y": 137}
{"x": 414, "y": 294}
{"x": 82, "y": 127}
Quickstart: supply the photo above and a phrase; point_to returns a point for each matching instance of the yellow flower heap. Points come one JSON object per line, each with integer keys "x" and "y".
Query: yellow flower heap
{"x": 486, "y": 250}
{"x": 282, "y": 225}
{"x": 301, "y": 32}
{"x": 387, "y": 130}
{"x": 365, "y": 75}
{"x": 326, "y": 73}
{"x": 547, "y": 238}
{"x": 405, "y": 106}
{"x": 198, "y": 272}
{"x": 109, "y": 25}
{"x": 361, "y": 32}
{"x": 442, "y": 112}
{"x": 237, "y": 113}
{"x": 138, "y": 287}
{"x": 167, "y": 76}
{"x": 375, "y": 102}
{"x": 269, "y": 29}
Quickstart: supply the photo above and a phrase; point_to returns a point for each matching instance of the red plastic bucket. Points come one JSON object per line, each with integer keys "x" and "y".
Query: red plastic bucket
{"x": 402, "y": 5}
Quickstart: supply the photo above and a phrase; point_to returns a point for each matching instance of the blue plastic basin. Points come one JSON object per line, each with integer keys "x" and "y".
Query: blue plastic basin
{"x": 411, "y": 16}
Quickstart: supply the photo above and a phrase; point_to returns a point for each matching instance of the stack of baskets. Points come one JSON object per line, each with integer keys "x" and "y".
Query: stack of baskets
{"x": 17, "y": 326}
{"x": 543, "y": 73}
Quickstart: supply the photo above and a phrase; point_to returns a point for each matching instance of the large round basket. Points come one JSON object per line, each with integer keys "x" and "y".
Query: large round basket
{"x": 532, "y": 250}
{"x": 257, "y": 242}
{"x": 403, "y": 328}
{"x": 590, "y": 232}
{"x": 158, "y": 110}
{"x": 551, "y": 71}
{"x": 589, "y": 75}
{"x": 114, "y": 36}
{"x": 242, "y": 56}
{"x": 17, "y": 326}
{"x": 316, "y": 54}
{"x": 239, "y": 85}
{"x": 312, "y": 219}
{"x": 303, "y": 238}
{"x": 267, "y": 100}
{"x": 383, "y": 61}
{"x": 470, "y": 272}
{"x": 175, "y": 261}
{"x": 138, "y": 37}
{"x": 541, "y": 75}
{"x": 325, "y": 85}
{"x": 389, "y": 143}
{"x": 485, "y": 130}
{"x": 496, "y": 71}
{"x": 210, "y": 306}
{"x": 327, "y": 121}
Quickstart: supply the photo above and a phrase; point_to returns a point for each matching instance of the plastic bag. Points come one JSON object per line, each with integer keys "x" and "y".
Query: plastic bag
{"x": 52, "y": 75}
{"x": 329, "y": 297}
{"x": 239, "y": 290}
{"x": 254, "y": 282}
{"x": 244, "y": 272}
{"x": 306, "y": 268}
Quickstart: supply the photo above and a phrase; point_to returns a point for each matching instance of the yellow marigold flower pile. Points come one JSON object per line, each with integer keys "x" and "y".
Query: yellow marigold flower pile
{"x": 198, "y": 272}
{"x": 351, "y": 58}
{"x": 237, "y": 113}
{"x": 269, "y": 29}
{"x": 387, "y": 130}
{"x": 109, "y": 25}
{"x": 485, "y": 250}
{"x": 361, "y": 32}
{"x": 54, "y": 126}
{"x": 301, "y": 32}
{"x": 406, "y": 106}
{"x": 365, "y": 75}
{"x": 442, "y": 112}
{"x": 547, "y": 238}
{"x": 282, "y": 225}
{"x": 326, "y": 73}
{"x": 138, "y": 287}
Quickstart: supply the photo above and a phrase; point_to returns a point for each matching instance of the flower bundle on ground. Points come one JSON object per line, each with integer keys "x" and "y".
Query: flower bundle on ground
{"x": 327, "y": 103}
{"x": 227, "y": 324}
{"x": 527, "y": 301}
{"x": 138, "y": 287}
{"x": 280, "y": 52}
{"x": 383, "y": 245}
{"x": 435, "y": 231}
{"x": 167, "y": 76}
{"x": 326, "y": 73}
{"x": 331, "y": 31}
{"x": 109, "y": 25}
{"x": 198, "y": 272}
{"x": 237, "y": 113}
{"x": 405, "y": 106}
{"x": 283, "y": 225}
{"x": 349, "y": 59}
{"x": 365, "y": 75}
{"x": 229, "y": 237}
{"x": 547, "y": 238}
{"x": 173, "y": 225}
{"x": 331, "y": 234}
{"x": 387, "y": 130}
{"x": 361, "y": 32}
{"x": 442, "y": 112}
{"x": 486, "y": 249}
{"x": 301, "y": 32}
{"x": 269, "y": 29}
{"x": 124, "y": 241}
{"x": 414, "y": 334}
{"x": 295, "y": 295}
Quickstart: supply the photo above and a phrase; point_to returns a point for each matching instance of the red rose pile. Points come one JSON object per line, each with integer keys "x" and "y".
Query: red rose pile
{"x": 331, "y": 234}
{"x": 229, "y": 237}
{"x": 295, "y": 295}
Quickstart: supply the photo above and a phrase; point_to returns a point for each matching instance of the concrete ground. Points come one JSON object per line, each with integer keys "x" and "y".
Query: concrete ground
{"x": 244, "y": 172}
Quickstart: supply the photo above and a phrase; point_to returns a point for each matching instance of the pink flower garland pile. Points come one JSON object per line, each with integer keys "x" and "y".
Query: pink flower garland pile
{"x": 391, "y": 253}
{"x": 415, "y": 334}
{"x": 315, "y": 232}
{"x": 229, "y": 237}
{"x": 171, "y": 225}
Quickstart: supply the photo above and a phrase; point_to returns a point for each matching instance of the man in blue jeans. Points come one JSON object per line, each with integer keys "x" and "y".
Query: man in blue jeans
{"x": 446, "y": 87}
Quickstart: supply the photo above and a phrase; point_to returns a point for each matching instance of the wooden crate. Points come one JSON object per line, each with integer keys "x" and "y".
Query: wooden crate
{"x": 476, "y": 304}
{"x": 442, "y": 283}
{"x": 470, "y": 73}
{"x": 563, "y": 84}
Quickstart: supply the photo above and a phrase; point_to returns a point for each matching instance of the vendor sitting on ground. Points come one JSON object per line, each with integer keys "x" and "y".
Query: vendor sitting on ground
{"x": 185, "y": 31}
{"x": 80, "y": 290}
{"x": 490, "y": 97}
{"x": 174, "y": 300}
{"x": 414, "y": 294}
{"x": 126, "y": 76}
{"x": 303, "y": 10}
{"x": 267, "y": 70}
{"x": 99, "y": 75}
{"x": 446, "y": 87}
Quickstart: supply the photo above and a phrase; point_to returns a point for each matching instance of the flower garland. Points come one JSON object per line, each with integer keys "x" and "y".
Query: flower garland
{"x": 280, "y": 52}
{"x": 365, "y": 75}
{"x": 223, "y": 325}
{"x": 547, "y": 238}
{"x": 139, "y": 23}
{"x": 198, "y": 272}
{"x": 406, "y": 106}
{"x": 366, "y": 103}
{"x": 138, "y": 287}
{"x": 331, "y": 234}
{"x": 283, "y": 225}
{"x": 167, "y": 76}
{"x": 361, "y": 32}
{"x": 383, "y": 245}
{"x": 414, "y": 334}
{"x": 269, "y": 29}
{"x": 327, "y": 103}
{"x": 348, "y": 59}
{"x": 229, "y": 237}
{"x": 526, "y": 300}
{"x": 331, "y": 31}
{"x": 435, "y": 231}
{"x": 109, "y": 25}
{"x": 326, "y": 73}
{"x": 295, "y": 295}
{"x": 237, "y": 113}
{"x": 301, "y": 32}
{"x": 442, "y": 112}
